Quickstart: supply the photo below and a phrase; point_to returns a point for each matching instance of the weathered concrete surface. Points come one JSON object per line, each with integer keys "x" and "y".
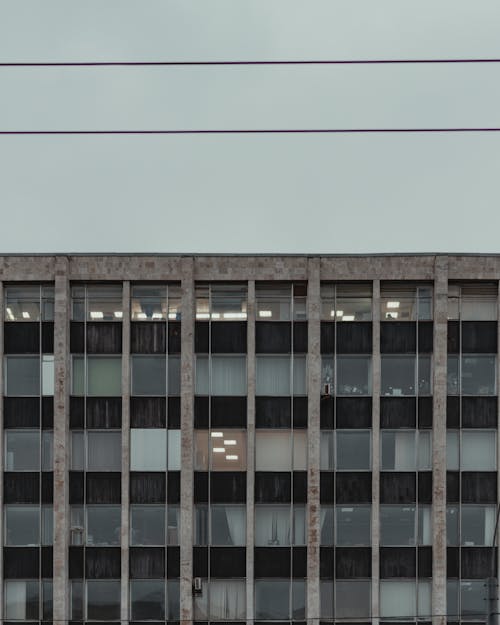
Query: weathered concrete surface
{"x": 125, "y": 510}
{"x": 250, "y": 450}
{"x": 376, "y": 370}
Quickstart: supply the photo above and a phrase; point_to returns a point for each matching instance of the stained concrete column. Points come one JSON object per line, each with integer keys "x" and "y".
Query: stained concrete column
{"x": 250, "y": 450}
{"x": 187, "y": 409}
{"x": 313, "y": 448}
{"x": 62, "y": 377}
{"x": 439, "y": 441}
{"x": 2, "y": 316}
{"x": 125, "y": 508}
{"x": 376, "y": 381}
{"x": 497, "y": 541}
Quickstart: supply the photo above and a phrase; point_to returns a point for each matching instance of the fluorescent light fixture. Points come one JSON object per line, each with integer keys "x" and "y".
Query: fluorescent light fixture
{"x": 142, "y": 315}
{"x": 215, "y": 315}
{"x": 231, "y": 457}
{"x": 9, "y": 312}
{"x": 348, "y": 318}
{"x": 26, "y": 314}
{"x": 172, "y": 315}
{"x": 157, "y": 316}
{"x": 235, "y": 315}
{"x": 392, "y": 304}
{"x": 332, "y": 313}
{"x": 96, "y": 314}
{"x": 230, "y": 442}
{"x": 118, "y": 314}
{"x": 217, "y": 434}
{"x": 265, "y": 313}
{"x": 340, "y": 313}
{"x": 202, "y": 315}
{"x": 219, "y": 450}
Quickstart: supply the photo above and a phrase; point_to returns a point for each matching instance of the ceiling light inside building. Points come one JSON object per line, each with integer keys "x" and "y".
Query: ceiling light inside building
{"x": 96, "y": 314}
{"x": 265, "y": 313}
{"x": 231, "y": 457}
{"x": 26, "y": 315}
{"x": 219, "y": 450}
{"x": 118, "y": 314}
{"x": 217, "y": 434}
{"x": 348, "y": 318}
{"x": 392, "y": 304}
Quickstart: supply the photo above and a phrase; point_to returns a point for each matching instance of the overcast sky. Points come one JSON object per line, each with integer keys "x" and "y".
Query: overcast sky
{"x": 249, "y": 193}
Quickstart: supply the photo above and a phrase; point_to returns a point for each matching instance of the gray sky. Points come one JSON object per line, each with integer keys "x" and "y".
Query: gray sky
{"x": 252, "y": 193}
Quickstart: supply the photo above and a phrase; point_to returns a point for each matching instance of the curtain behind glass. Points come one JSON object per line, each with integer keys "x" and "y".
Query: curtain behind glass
{"x": 227, "y": 600}
{"x": 273, "y": 375}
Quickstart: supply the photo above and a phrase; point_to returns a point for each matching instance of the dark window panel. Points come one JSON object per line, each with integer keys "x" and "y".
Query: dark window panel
{"x": 174, "y": 337}
{"x": 201, "y": 412}
{"x": 102, "y": 562}
{"x": 21, "y": 338}
{"x": 103, "y": 488}
{"x": 453, "y": 562}
{"x": 228, "y": 562}
{"x": 104, "y": 338}
{"x": 452, "y": 411}
{"x": 300, "y": 412}
{"x": 327, "y": 342}
{"x": 351, "y": 562}
{"x": 273, "y": 337}
{"x": 299, "y": 487}
{"x": 174, "y": 413}
{"x": 148, "y": 412}
{"x": 398, "y": 412}
{"x": 47, "y": 337}
{"x": 148, "y": 337}
{"x": 398, "y": 337}
{"x": 200, "y": 561}
{"x": 147, "y": 562}
{"x": 47, "y": 558}
{"x": 21, "y": 412}
{"x": 272, "y": 562}
{"x": 425, "y": 410}
{"x": 452, "y": 487}
{"x": 76, "y": 487}
{"x": 327, "y": 487}
{"x": 201, "y": 337}
{"x": 173, "y": 487}
{"x": 48, "y": 413}
{"x": 76, "y": 562}
{"x": 424, "y": 561}
{"x": 21, "y": 487}
{"x": 47, "y": 487}
{"x": 476, "y": 562}
{"x": 200, "y": 487}
{"x": 397, "y": 488}
{"x": 147, "y": 487}
{"x": 453, "y": 337}
{"x": 479, "y": 412}
{"x": 397, "y": 562}
{"x": 354, "y": 337}
{"x": 273, "y": 412}
{"x": 327, "y": 417}
{"x": 273, "y": 487}
{"x": 479, "y": 337}
{"x": 21, "y": 562}
{"x": 104, "y": 412}
{"x": 353, "y": 487}
{"x": 425, "y": 337}
{"x": 299, "y": 562}
{"x": 77, "y": 337}
{"x": 479, "y": 487}
{"x": 327, "y": 562}
{"x": 228, "y": 487}
{"x": 354, "y": 412}
{"x": 228, "y": 411}
{"x": 425, "y": 487}
{"x": 229, "y": 337}
{"x": 300, "y": 335}
{"x": 173, "y": 562}
{"x": 77, "y": 413}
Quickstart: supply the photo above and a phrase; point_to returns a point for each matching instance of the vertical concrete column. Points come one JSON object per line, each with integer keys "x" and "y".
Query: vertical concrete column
{"x": 497, "y": 541}
{"x": 125, "y": 511}
{"x": 439, "y": 441}
{"x": 251, "y": 307}
{"x": 313, "y": 448}
{"x": 62, "y": 377}
{"x": 376, "y": 381}
{"x": 187, "y": 409}
{"x": 2, "y": 316}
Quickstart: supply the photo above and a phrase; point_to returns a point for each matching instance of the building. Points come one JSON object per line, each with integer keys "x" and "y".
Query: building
{"x": 248, "y": 438}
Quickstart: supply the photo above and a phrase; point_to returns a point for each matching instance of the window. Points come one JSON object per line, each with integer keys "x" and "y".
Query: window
{"x": 102, "y": 453}
{"x": 147, "y": 525}
{"x": 22, "y": 450}
{"x": 22, "y": 599}
{"x": 406, "y": 450}
{"x": 353, "y": 450}
{"x": 352, "y": 599}
{"x": 401, "y": 526}
{"x": 280, "y": 450}
{"x": 477, "y": 525}
{"x": 346, "y": 302}
{"x": 103, "y": 600}
{"x": 148, "y": 450}
{"x": 353, "y": 375}
{"x": 225, "y": 527}
{"x": 405, "y": 598}
{"x": 149, "y": 375}
{"x": 97, "y": 302}
{"x": 472, "y": 375}
{"x": 29, "y": 303}
{"x": 221, "y": 600}
{"x": 281, "y": 302}
{"x": 281, "y": 375}
{"x": 406, "y": 375}
{"x": 22, "y": 375}
{"x": 22, "y": 526}
{"x": 147, "y": 599}
{"x": 279, "y": 525}
{"x": 103, "y": 525}
{"x": 405, "y": 302}
{"x": 473, "y": 599}
{"x": 353, "y": 525}
{"x": 221, "y": 375}
{"x": 221, "y": 302}
{"x": 223, "y": 450}
{"x": 102, "y": 376}
{"x": 280, "y": 599}
{"x": 477, "y": 453}
{"x": 472, "y": 302}
{"x": 155, "y": 302}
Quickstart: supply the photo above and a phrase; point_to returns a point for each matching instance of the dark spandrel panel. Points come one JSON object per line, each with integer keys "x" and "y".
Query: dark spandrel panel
{"x": 102, "y": 562}
{"x": 202, "y": 412}
{"x": 21, "y": 487}
{"x": 104, "y": 412}
{"x": 327, "y": 487}
{"x": 398, "y": 337}
{"x": 299, "y": 487}
{"x": 476, "y": 562}
{"x": 148, "y": 337}
{"x": 77, "y": 413}
{"x": 424, "y": 561}
{"x": 300, "y": 411}
{"x": 453, "y": 337}
{"x": 76, "y": 487}
{"x": 174, "y": 413}
{"x": 327, "y": 562}
{"x": 174, "y": 337}
{"x": 21, "y": 412}
{"x": 299, "y": 562}
{"x": 200, "y": 561}
{"x": 479, "y": 412}
{"x": 452, "y": 487}
{"x": 354, "y": 337}
{"x": 47, "y": 559}
{"x": 453, "y": 562}
{"x": 327, "y": 341}
{"x": 228, "y": 487}
{"x": 398, "y": 412}
{"x": 21, "y": 338}
{"x": 147, "y": 487}
{"x": 353, "y": 562}
{"x": 148, "y": 412}
{"x": 327, "y": 413}
{"x": 47, "y": 337}
{"x": 104, "y": 338}
{"x": 398, "y": 562}
{"x": 425, "y": 337}
{"x": 397, "y": 487}
{"x": 103, "y": 488}
{"x": 47, "y": 487}
{"x": 173, "y": 487}
{"x": 147, "y": 562}
{"x": 76, "y": 562}
{"x": 77, "y": 337}
{"x": 228, "y": 562}
{"x": 228, "y": 411}
{"x": 21, "y": 562}
{"x": 273, "y": 412}
{"x": 354, "y": 412}
{"x": 48, "y": 413}
{"x": 353, "y": 487}
{"x": 425, "y": 487}
{"x": 479, "y": 337}
{"x": 425, "y": 411}
{"x": 453, "y": 411}
{"x": 201, "y": 337}
{"x": 173, "y": 562}
{"x": 272, "y": 562}
{"x": 229, "y": 337}
{"x": 479, "y": 487}
{"x": 300, "y": 337}
{"x": 273, "y": 487}
{"x": 200, "y": 487}
{"x": 273, "y": 337}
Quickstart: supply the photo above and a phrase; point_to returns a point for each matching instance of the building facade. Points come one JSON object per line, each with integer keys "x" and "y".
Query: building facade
{"x": 248, "y": 438}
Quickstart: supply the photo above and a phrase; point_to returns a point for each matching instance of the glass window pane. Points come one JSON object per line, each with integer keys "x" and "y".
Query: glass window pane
{"x": 477, "y": 525}
{"x": 22, "y": 525}
{"x": 299, "y": 525}
{"x": 298, "y": 599}
{"x": 424, "y": 460}
{"x": 229, "y": 450}
{"x": 147, "y": 525}
{"x": 22, "y": 303}
{"x": 353, "y": 450}
{"x": 453, "y": 376}
{"x": 201, "y": 453}
{"x": 174, "y": 375}
{"x": 478, "y": 375}
{"x": 229, "y": 375}
{"x": 398, "y": 375}
{"x": 273, "y": 451}
{"x": 229, "y": 301}
{"x": 201, "y": 525}
{"x": 353, "y": 375}
{"x": 398, "y": 599}
{"x": 273, "y": 525}
{"x": 398, "y": 450}
{"x": 299, "y": 375}
{"x": 104, "y": 451}
{"x": 149, "y": 303}
{"x": 103, "y": 525}
{"x": 148, "y": 449}
{"x": 47, "y": 525}
{"x": 479, "y": 307}
{"x": 452, "y": 451}
{"x": 147, "y": 599}
{"x": 424, "y": 525}
{"x": 77, "y": 451}
{"x": 452, "y": 525}
{"x": 173, "y": 524}
{"x": 21, "y": 600}
{"x": 104, "y": 302}
{"x": 478, "y": 451}
{"x": 47, "y": 600}
{"x": 103, "y": 600}
{"x": 327, "y": 370}
{"x": 353, "y": 525}
{"x": 78, "y": 376}
{"x": 47, "y": 450}
{"x": 352, "y": 599}
{"x": 47, "y": 374}
{"x": 452, "y": 597}
{"x": 22, "y": 375}
{"x": 273, "y": 302}
{"x": 104, "y": 376}
{"x": 473, "y": 599}
{"x": 227, "y": 599}
{"x": 327, "y": 453}
{"x": 299, "y": 451}
{"x": 272, "y": 375}
{"x": 77, "y": 600}
{"x": 397, "y": 526}
{"x": 327, "y": 525}
{"x": 201, "y": 376}
{"x": 22, "y": 450}
{"x": 424, "y": 607}
{"x": 173, "y": 600}
{"x": 326, "y": 599}
{"x": 272, "y": 599}
{"x": 149, "y": 375}
{"x": 174, "y": 450}
{"x": 228, "y": 525}
{"x": 424, "y": 375}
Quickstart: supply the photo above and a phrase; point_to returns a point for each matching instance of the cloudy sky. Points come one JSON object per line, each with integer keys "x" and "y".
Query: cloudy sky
{"x": 249, "y": 193}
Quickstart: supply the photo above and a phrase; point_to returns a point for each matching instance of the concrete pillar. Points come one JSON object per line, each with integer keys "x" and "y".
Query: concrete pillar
{"x": 313, "y": 449}
{"x": 187, "y": 410}
{"x": 439, "y": 441}
{"x": 125, "y": 509}
{"x": 2, "y": 316}
{"x": 497, "y": 541}
{"x": 250, "y": 449}
{"x": 376, "y": 370}
{"x": 62, "y": 377}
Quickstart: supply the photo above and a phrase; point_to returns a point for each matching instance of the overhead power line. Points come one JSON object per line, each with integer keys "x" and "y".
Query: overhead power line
{"x": 247, "y": 131}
